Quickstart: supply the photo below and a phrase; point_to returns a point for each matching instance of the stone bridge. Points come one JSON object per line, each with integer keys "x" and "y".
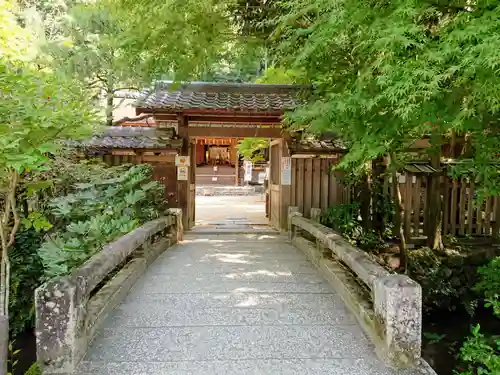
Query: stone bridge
{"x": 250, "y": 302}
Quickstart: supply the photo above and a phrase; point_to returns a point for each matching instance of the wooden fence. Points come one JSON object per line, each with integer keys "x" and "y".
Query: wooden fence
{"x": 463, "y": 213}
{"x": 313, "y": 186}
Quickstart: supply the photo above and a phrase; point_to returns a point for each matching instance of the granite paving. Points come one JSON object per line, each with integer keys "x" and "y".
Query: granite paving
{"x": 235, "y": 304}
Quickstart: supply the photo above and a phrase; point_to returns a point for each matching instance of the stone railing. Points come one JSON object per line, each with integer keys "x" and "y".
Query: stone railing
{"x": 387, "y": 306}
{"x": 70, "y": 309}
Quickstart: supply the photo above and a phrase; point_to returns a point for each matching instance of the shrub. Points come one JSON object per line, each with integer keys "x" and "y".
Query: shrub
{"x": 27, "y": 272}
{"x": 447, "y": 280}
{"x": 97, "y": 213}
{"x": 345, "y": 218}
{"x": 481, "y": 352}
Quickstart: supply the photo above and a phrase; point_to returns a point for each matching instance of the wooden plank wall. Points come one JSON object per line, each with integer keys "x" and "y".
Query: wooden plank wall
{"x": 413, "y": 197}
{"x": 463, "y": 214}
{"x": 164, "y": 171}
{"x": 314, "y": 187}
{"x": 113, "y": 160}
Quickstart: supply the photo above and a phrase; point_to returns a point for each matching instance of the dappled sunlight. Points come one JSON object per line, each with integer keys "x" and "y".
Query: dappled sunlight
{"x": 245, "y": 290}
{"x": 210, "y": 240}
{"x": 265, "y": 237}
{"x": 251, "y": 301}
{"x": 271, "y": 274}
{"x": 249, "y": 298}
{"x": 229, "y": 258}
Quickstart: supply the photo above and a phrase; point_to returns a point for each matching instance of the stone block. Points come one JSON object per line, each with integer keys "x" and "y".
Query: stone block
{"x": 178, "y": 228}
{"x": 358, "y": 261}
{"x": 315, "y": 214}
{"x": 292, "y": 212}
{"x": 66, "y": 314}
{"x": 60, "y": 325}
{"x": 398, "y": 314}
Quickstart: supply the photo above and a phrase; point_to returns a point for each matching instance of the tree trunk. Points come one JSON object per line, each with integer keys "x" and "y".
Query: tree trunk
{"x": 377, "y": 190}
{"x": 434, "y": 215}
{"x": 109, "y": 108}
{"x": 365, "y": 199}
{"x": 403, "y": 256}
{"x": 4, "y": 303}
{"x": 4, "y": 343}
{"x": 7, "y": 237}
{"x": 4, "y": 306}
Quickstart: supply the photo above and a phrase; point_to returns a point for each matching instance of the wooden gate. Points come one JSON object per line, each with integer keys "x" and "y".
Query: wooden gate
{"x": 279, "y": 193}
{"x": 274, "y": 185}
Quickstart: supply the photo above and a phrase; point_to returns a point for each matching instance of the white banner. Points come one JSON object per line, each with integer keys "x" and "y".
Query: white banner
{"x": 248, "y": 170}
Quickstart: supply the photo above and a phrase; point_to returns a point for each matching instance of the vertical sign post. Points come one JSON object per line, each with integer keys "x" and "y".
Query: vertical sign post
{"x": 286, "y": 171}
{"x": 248, "y": 170}
{"x": 182, "y": 173}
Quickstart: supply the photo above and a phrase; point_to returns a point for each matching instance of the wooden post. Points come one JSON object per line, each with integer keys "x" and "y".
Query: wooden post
{"x": 236, "y": 162}
{"x": 183, "y": 186}
{"x": 192, "y": 184}
{"x": 285, "y": 189}
{"x": 434, "y": 207}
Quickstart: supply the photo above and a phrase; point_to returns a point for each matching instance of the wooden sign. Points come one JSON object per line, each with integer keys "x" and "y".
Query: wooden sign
{"x": 286, "y": 171}
{"x": 181, "y": 161}
{"x": 247, "y": 165}
{"x": 182, "y": 173}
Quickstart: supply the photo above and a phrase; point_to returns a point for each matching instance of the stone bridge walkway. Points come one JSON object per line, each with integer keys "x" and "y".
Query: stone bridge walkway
{"x": 232, "y": 304}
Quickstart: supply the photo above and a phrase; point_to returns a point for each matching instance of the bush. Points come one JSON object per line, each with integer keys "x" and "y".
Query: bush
{"x": 447, "y": 280}
{"x": 481, "y": 352}
{"x": 97, "y": 213}
{"x": 345, "y": 218}
{"x": 489, "y": 280}
{"x": 26, "y": 275}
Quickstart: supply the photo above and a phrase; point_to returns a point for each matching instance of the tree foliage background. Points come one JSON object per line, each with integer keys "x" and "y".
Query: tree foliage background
{"x": 389, "y": 72}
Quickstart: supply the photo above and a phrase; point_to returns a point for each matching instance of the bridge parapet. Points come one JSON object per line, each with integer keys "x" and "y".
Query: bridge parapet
{"x": 388, "y": 306}
{"x": 69, "y": 309}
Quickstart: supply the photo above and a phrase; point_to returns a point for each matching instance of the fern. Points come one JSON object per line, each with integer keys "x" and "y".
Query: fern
{"x": 96, "y": 214}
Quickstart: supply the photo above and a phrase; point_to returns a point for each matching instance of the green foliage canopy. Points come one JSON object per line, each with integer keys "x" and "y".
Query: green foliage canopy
{"x": 389, "y": 72}
{"x": 253, "y": 148}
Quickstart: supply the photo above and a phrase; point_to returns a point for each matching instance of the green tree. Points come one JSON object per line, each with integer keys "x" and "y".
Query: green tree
{"x": 38, "y": 109}
{"x": 253, "y": 148}
{"x": 125, "y": 45}
{"x": 388, "y": 73}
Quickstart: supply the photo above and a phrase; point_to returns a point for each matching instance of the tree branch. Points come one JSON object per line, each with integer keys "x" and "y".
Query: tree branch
{"x": 131, "y": 119}
{"x": 102, "y": 79}
{"x": 15, "y": 213}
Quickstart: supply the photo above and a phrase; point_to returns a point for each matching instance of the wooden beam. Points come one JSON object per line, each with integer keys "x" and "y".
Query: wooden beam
{"x": 207, "y": 112}
{"x": 223, "y": 119}
{"x": 224, "y": 132}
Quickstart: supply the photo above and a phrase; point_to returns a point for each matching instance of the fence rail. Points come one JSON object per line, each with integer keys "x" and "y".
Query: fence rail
{"x": 70, "y": 308}
{"x": 390, "y": 312}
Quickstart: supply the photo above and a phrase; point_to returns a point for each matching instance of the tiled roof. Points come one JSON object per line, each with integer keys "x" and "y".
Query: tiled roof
{"x": 130, "y": 137}
{"x": 317, "y": 146}
{"x": 222, "y": 96}
{"x": 419, "y": 167}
